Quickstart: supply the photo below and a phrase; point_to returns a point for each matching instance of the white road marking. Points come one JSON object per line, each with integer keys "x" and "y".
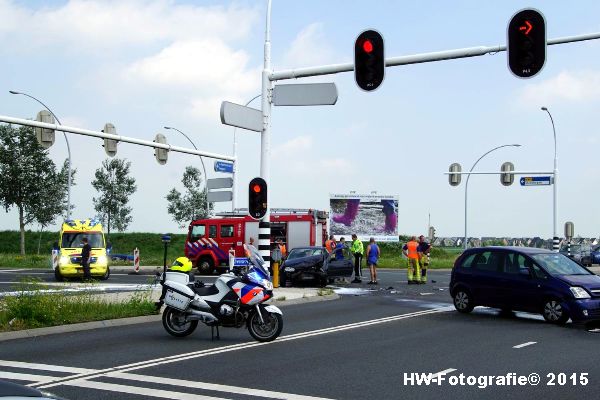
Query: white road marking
{"x": 38, "y": 379}
{"x": 444, "y": 372}
{"x": 212, "y": 386}
{"x": 45, "y": 367}
{"x": 519, "y": 346}
{"x": 240, "y": 346}
{"x": 426, "y": 293}
{"x": 163, "y": 394}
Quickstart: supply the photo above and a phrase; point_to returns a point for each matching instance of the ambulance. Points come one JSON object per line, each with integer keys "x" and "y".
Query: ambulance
{"x": 209, "y": 240}
{"x": 70, "y": 244}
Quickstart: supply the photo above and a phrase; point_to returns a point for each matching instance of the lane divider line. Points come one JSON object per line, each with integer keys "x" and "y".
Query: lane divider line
{"x": 45, "y": 367}
{"x": 239, "y": 346}
{"x": 520, "y": 346}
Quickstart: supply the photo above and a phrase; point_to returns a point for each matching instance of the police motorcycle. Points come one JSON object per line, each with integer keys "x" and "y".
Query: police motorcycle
{"x": 235, "y": 299}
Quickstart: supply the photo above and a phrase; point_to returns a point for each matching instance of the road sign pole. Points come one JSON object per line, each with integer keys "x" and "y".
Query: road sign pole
{"x": 264, "y": 226}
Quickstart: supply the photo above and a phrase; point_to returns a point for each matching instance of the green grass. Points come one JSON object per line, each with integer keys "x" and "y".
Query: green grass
{"x": 32, "y": 308}
{"x": 151, "y": 250}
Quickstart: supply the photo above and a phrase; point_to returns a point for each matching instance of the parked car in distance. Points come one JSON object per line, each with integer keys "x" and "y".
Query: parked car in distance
{"x": 525, "y": 279}
{"x": 582, "y": 253}
{"x": 313, "y": 264}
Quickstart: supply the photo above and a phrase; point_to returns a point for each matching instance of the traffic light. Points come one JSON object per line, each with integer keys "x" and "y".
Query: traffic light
{"x": 45, "y": 137}
{"x": 526, "y": 43}
{"x": 454, "y": 178}
{"x": 110, "y": 145}
{"x": 507, "y": 177}
{"x": 257, "y": 198}
{"x": 369, "y": 60}
{"x": 431, "y": 233}
{"x": 161, "y": 155}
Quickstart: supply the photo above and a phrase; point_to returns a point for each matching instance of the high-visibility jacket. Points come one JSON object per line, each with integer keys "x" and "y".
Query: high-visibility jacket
{"x": 283, "y": 250}
{"x": 330, "y": 245}
{"x": 411, "y": 248}
{"x": 357, "y": 247}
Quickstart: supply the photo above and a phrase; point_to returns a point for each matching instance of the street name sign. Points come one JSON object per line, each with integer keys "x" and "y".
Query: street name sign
{"x": 305, "y": 94}
{"x": 219, "y": 183}
{"x": 215, "y": 197}
{"x": 535, "y": 181}
{"x": 222, "y": 166}
{"x": 241, "y": 117}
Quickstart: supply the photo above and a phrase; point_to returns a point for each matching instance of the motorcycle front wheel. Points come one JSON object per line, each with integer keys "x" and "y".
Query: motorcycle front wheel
{"x": 267, "y": 331}
{"x": 175, "y": 323}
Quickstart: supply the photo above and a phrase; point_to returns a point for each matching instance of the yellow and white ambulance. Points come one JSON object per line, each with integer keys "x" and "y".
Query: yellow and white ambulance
{"x": 70, "y": 244}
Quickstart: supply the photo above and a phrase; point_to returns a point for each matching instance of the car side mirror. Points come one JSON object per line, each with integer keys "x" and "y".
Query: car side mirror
{"x": 525, "y": 273}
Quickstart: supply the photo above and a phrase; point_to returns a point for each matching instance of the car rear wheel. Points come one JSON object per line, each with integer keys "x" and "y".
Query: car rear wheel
{"x": 554, "y": 312}
{"x": 463, "y": 302}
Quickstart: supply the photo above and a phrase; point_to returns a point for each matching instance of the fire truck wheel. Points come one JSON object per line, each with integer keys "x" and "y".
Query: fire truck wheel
{"x": 205, "y": 266}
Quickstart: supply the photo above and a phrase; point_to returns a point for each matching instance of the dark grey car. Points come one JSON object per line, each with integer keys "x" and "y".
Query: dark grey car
{"x": 313, "y": 264}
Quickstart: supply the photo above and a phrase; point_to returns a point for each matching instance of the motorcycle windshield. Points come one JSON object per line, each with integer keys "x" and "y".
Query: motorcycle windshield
{"x": 256, "y": 264}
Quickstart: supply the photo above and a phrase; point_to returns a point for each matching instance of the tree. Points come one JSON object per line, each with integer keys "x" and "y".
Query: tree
{"x": 28, "y": 179}
{"x": 56, "y": 203}
{"x": 191, "y": 204}
{"x": 115, "y": 187}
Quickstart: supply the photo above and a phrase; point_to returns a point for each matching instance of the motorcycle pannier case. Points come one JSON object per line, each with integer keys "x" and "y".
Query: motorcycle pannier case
{"x": 178, "y": 296}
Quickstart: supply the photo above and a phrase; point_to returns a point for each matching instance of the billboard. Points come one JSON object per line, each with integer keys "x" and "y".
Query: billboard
{"x": 366, "y": 215}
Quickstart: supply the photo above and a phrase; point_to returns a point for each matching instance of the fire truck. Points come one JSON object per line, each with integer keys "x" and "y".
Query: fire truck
{"x": 209, "y": 240}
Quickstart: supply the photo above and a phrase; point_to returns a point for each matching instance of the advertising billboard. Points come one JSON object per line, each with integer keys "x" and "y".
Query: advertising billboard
{"x": 366, "y": 215}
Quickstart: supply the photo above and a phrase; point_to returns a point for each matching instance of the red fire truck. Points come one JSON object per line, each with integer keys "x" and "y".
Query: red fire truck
{"x": 209, "y": 240}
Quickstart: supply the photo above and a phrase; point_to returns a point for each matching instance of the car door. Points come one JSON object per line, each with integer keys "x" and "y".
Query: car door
{"x": 487, "y": 272}
{"x": 342, "y": 267}
{"x": 525, "y": 283}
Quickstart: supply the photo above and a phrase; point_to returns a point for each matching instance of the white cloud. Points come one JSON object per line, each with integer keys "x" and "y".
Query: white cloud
{"x": 302, "y": 51}
{"x": 110, "y": 24}
{"x": 568, "y": 86}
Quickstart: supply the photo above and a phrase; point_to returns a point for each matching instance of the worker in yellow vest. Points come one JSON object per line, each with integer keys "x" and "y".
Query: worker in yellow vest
{"x": 411, "y": 251}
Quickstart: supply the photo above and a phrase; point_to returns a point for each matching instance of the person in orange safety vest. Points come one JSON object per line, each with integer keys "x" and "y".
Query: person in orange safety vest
{"x": 411, "y": 251}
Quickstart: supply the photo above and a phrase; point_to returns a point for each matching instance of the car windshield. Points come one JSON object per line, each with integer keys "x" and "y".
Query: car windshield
{"x": 559, "y": 264}
{"x": 74, "y": 239}
{"x": 299, "y": 253}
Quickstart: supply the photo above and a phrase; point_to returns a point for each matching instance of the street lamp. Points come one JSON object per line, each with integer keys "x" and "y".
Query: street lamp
{"x": 467, "y": 183}
{"x": 201, "y": 161}
{"x": 234, "y": 197}
{"x": 554, "y": 189}
{"x": 68, "y": 148}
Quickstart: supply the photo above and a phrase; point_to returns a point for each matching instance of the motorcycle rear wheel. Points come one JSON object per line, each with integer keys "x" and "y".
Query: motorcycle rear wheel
{"x": 175, "y": 324}
{"x": 268, "y": 331}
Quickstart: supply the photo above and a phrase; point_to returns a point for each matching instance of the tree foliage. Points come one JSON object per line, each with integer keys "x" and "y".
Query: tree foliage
{"x": 29, "y": 180}
{"x": 115, "y": 186}
{"x": 190, "y": 205}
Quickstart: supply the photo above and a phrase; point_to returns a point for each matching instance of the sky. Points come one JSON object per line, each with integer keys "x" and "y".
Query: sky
{"x": 143, "y": 64}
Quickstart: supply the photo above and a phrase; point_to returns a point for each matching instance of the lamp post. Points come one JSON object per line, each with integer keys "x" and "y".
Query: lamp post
{"x": 554, "y": 189}
{"x": 234, "y": 197}
{"x": 68, "y": 148}
{"x": 467, "y": 183}
{"x": 201, "y": 161}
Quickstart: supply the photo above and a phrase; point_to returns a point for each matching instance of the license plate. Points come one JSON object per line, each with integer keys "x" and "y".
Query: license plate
{"x": 289, "y": 269}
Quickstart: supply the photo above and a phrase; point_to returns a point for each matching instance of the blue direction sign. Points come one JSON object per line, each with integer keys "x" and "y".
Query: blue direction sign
{"x": 535, "y": 180}
{"x": 241, "y": 262}
{"x": 222, "y": 166}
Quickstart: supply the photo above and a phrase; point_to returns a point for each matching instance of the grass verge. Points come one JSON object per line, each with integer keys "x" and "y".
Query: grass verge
{"x": 32, "y": 307}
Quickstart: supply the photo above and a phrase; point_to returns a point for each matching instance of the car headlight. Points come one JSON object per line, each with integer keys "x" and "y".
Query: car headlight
{"x": 579, "y": 292}
{"x": 64, "y": 260}
{"x": 267, "y": 284}
{"x": 102, "y": 260}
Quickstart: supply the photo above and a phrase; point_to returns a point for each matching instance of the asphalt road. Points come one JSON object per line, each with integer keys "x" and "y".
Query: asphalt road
{"x": 360, "y": 346}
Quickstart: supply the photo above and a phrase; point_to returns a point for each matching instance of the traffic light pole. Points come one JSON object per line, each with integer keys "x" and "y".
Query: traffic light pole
{"x": 264, "y": 226}
{"x": 418, "y": 58}
{"x": 119, "y": 138}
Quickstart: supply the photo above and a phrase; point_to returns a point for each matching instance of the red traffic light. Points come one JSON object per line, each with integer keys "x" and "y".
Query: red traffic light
{"x": 256, "y": 188}
{"x": 526, "y": 28}
{"x": 367, "y": 46}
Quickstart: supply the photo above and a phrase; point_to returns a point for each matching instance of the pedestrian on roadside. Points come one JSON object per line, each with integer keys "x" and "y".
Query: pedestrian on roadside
{"x": 357, "y": 249}
{"x": 423, "y": 250}
{"x": 373, "y": 254}
{"x": 330, "y": 244}
{"x": 85, "y": 258}
{"x": 410, "y": 250}
{"x": 339, "y": 249}
{"x": 282, "y": 248}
